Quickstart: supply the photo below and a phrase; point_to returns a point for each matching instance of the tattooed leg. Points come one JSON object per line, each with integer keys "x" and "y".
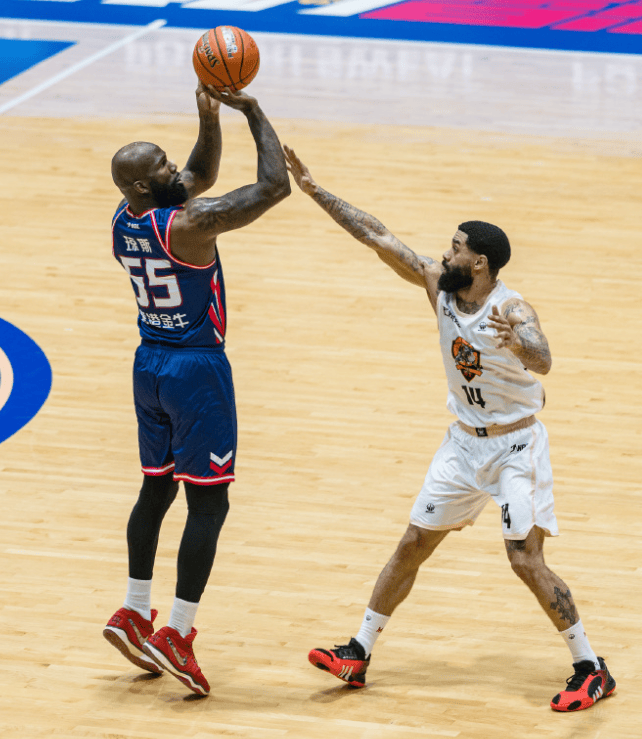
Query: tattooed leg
{"x": 564, "y": 606}
{"x": 527, "y": 560}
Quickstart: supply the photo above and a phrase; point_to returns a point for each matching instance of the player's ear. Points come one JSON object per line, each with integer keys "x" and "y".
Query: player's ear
{"x": 140, "y": 187}
{"x": 481, "y": 261}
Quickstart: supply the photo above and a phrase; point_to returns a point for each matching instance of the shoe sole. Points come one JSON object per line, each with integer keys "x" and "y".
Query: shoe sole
{"x": 118, "y": 638}
{"x": 161, "y": 660}
{"x": 322, "y": 666}
{"x": 604, "y": 695}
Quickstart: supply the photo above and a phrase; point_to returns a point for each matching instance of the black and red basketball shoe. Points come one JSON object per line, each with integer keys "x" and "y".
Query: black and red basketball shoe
{"x": 347, "y": 662}
{"x": 585, "y": 687}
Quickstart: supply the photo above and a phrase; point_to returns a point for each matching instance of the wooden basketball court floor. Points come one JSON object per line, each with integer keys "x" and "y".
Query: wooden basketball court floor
{"x": 340, "y": 389}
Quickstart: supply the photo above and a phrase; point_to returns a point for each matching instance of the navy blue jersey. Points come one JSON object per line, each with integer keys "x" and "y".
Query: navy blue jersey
{"x": 178, "y": 304}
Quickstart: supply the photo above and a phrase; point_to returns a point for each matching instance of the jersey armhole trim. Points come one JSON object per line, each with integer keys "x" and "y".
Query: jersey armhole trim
{"x": 167, "y": 247}
{"x": 113, "y": 226}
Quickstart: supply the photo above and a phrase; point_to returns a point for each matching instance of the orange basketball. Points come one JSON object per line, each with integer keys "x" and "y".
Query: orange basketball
{"x": 226, "y": 56}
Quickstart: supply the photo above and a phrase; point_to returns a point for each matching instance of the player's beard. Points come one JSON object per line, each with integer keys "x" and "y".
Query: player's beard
{"x": 453, "y": 279}
{"x": 166, "y": 195}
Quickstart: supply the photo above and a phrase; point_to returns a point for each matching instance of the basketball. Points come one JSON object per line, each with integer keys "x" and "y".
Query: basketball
{"x": 226, "y": 56}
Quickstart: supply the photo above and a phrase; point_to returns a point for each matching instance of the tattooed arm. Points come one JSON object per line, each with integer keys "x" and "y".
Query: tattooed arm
{"x": 418, "y": 270}
{"x": 518, "y": 329}
{"x": 195, "y": 228}
{"x": 201, "y": 170}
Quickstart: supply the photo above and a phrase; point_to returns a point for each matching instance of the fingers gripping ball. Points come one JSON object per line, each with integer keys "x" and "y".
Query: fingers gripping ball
{"x": 226, "y": 56}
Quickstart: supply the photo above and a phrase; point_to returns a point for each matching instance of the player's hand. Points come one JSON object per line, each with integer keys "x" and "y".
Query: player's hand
{"x": 299, "y": 172}
{"x": 238, "y": 100}
{"x": 206, "y": 103}
{"x": 505, "y": 334}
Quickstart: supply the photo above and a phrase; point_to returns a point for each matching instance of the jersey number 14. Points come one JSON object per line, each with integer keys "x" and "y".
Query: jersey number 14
{"x": 474, "y": 396}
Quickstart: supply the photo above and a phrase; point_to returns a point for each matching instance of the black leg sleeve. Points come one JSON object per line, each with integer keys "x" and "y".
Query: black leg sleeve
{"x": 207, "y": 508}
{"x": 156, "y": 496}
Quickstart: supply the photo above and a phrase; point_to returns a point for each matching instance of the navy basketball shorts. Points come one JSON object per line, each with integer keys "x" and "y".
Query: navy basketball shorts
{"x": 513, "y": 470}
{"x": 184, "y": 399}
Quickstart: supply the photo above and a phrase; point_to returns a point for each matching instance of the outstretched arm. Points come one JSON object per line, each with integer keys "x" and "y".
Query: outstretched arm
{"x": 418, "y": 270}
{"x": 201, "y": 170}
{"x": 195, "y": 228}
{"x": 518, "y": 329}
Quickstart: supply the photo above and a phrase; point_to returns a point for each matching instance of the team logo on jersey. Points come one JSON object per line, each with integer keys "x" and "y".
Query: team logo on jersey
{"x": 467, "y": 359}
{"x": 221, "y": 464}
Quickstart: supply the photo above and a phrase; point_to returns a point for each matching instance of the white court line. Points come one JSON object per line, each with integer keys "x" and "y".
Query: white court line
{"x": 80, "y": 65}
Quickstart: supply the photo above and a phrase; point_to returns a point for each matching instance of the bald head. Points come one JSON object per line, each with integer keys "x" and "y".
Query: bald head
{"x": 134, "y": 162}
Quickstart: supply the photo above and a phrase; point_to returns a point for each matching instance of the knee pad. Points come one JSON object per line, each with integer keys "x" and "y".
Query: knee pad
{"x": 207, "y": 500}
{"x": 159, "y": 491}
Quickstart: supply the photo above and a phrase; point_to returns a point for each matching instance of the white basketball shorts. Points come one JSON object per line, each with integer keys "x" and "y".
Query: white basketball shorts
{"x": 514, "y": 470}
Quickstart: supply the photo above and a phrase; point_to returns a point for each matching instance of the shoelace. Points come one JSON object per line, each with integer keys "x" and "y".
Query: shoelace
{"x": 346, "y": 651}
{"x": 575, "y": 681}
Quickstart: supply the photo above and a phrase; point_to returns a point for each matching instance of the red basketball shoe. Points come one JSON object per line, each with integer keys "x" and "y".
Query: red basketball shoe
{"x": 347, "y": 662}
{"x": 585, "y": 687}
{"x": 127, "y": 631}
{"x": 174, "y": 653}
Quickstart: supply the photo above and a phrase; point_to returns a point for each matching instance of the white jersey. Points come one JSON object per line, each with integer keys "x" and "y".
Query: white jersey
{"x": 486, "y": 385}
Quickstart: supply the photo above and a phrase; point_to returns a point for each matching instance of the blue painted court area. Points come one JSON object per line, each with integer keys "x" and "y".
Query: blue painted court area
{"x": 613, "y": 26}
{"x": 18, "y": 55}
{"x": 25, "y": 379}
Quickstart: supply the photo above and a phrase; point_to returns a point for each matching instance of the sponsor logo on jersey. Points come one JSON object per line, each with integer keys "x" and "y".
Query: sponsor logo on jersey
{"x": 517, "y": 448}
{"x": 467, "y": 359}
{"x": 430, "y": 508}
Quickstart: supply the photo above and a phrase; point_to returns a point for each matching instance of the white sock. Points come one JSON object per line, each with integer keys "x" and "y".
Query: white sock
{"x": 577, "y": 641}
{"x": 182, "y": 616}
{"x": 371, "y": 626}
{"x": 139, "y": 596}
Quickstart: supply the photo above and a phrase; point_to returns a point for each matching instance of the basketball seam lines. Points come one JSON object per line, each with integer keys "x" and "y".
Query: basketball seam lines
{"x": 222, "y": 56}
{"x": 209, "y": 71}
{"x": 243, "y": 78}
{"x": 249, "y": 74}
{"x": 254, "y": 69}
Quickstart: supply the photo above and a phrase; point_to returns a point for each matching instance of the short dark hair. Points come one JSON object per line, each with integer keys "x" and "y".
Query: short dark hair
{"x": 484, "y": 238}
